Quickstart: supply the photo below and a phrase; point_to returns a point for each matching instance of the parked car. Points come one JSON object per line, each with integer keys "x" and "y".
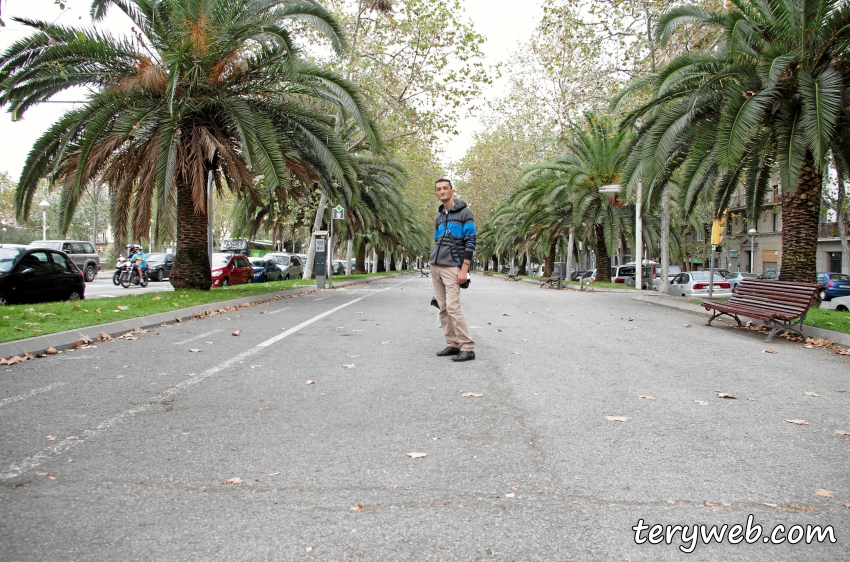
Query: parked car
{"x": 588, "y": 276}
{"x": 265, "y": 270}
{"x": 82, "y": 252}
{"x": 626, "y": 274}
{"x": 338, "y": 267}
{"x": 576, "y": 275}
{"x": 838, "y": 303}
{"x": 696, "y": 284}
{"x": 734, "y": 278}
{"x": 291, "y": 266}
{"x": 159, "y": 266}
{"x": 231, "y": 269}
{"x": 38, "y": 275}
{"x": 837, "y": 285}
{"x": 770, "y": 274}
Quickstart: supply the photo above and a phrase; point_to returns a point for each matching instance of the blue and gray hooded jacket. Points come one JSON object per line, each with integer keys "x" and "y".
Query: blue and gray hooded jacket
{"x": 458, "y": 225}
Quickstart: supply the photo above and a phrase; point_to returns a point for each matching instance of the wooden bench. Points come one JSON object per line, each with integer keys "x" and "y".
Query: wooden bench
{"x": 511, "y": 277}
{"x": 552, "y": 282}
{"x": 423, "y": 273}
{"x": 783, "y": 304}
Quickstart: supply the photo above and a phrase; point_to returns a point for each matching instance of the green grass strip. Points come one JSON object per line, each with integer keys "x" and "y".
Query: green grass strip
{"x": 31, "y": 320}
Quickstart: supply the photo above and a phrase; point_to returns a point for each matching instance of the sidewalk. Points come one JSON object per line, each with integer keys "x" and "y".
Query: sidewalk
{"x": 67, "y": 339}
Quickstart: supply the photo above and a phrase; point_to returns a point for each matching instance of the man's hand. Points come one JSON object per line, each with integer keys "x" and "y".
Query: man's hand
{"x": 463, "y": 274}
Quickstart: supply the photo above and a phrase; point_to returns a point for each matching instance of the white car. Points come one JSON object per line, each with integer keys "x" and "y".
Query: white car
{"x": 696, "y": 284}
{"x": 837, "y": 303}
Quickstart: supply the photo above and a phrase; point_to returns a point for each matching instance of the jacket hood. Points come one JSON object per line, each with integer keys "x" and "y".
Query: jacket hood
{"x": 457, "y": 206}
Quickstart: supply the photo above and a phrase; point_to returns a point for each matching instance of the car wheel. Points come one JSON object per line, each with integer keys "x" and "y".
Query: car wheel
{"x": 823, "y": 296}
{"x": 250, "y": 280}
{"x": 286, "y": 278}
{"x": 3, "y": 300}
{"x": 91, "y": 271}
{"x": 74, "y": 296}
{"x": 158, "y": 276}
{"x": 840, "y": 307}
{"x": 224, "y": 282}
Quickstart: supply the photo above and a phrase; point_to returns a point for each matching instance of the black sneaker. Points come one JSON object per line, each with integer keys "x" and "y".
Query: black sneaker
{"x": 448, "y": 351}
{"x": 464, "y": 356}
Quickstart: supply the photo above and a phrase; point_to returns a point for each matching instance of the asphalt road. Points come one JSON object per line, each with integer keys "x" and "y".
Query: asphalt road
{"x": 102, "y": 287}
{"x": 120, "y": 451}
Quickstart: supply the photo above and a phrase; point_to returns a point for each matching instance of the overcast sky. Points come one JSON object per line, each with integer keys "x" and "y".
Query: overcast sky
{"x": 500, "y": 21}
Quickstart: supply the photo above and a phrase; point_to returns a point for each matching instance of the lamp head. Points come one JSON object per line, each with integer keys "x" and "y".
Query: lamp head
{"x": 44, "y": 205}
{"x": 752, "y": 231}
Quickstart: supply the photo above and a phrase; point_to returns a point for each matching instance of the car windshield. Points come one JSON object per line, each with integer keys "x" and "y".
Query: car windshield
{"x": 156, "y": 258}
{"x": 281, "y": 260}
{"x": 220, "y": 260}
{"x": 8, "y": 257}
{"x": 258, "y": 262}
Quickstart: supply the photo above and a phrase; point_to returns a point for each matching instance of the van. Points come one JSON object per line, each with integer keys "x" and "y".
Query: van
{"x": 81, "y": 252}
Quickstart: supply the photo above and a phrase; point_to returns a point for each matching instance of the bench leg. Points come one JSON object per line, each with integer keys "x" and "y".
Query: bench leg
{"x": 778, "y": 328}
{"x": 717, "y": 314}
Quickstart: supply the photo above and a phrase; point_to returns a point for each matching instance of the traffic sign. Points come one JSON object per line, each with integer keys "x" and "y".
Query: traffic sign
{"x": 338, "y": 212}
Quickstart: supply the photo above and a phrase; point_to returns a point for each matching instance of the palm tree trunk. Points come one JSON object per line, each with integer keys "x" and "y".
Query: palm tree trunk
{"x": 349, "y": 253}
{"x": 360, "y": 266}
{"x": 496, "y": 263}
{"x": 800, "y": 216}
{"x": 380, "y": 260}
{"x": 191, "y": 264}
{"x": 392, "y": 262}
{"x": 665, "y": 240}
{"x": 603, "y": 260}
{"x": 570, "y": 248}
{"x": 522, "y": 263}
{"x": 841, "y": 220}
{"x": 549, "y": 263}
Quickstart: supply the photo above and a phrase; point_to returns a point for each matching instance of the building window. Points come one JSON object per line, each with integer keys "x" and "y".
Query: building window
{"x": 775, "y": 221}
{"x": 834, "y": 260}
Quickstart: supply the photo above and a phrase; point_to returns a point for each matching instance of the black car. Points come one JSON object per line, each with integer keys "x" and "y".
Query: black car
{"x": 38, "y": 275}
{"x": 159, "y": 266}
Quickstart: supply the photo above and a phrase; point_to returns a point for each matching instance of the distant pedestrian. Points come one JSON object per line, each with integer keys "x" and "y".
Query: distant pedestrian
{"x": 454, "y": 246}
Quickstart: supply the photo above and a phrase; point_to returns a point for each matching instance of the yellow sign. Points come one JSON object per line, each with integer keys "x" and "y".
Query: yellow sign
{"x": 717, "y": 228}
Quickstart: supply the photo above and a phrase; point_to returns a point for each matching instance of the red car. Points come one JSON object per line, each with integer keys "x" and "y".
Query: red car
{"x": 231, "y": 269}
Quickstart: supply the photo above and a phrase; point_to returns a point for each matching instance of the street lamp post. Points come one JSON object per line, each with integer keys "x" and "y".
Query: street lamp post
{"x": 44, "y": 205}
{"x": 615, "y": 188}
{"x": 752, "y": 232}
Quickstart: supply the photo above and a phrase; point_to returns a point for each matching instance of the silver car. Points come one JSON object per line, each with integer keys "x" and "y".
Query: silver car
{"x": 696, "y": 284}
{"x": 290, "y": 264}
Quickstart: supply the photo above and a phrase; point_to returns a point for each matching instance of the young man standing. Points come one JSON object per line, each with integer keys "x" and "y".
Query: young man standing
{"x": 454, "y": 237}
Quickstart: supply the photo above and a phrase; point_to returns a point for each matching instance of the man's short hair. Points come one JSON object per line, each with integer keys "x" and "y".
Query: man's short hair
{"x": 444, "y": 180}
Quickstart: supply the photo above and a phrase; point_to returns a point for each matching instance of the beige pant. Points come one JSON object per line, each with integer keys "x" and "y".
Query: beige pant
{"x": 448, "y": 296}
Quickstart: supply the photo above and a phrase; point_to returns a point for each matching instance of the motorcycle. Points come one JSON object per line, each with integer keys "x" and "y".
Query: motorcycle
{"x": 117, "y": 275}
{"x": 128, "y": 275}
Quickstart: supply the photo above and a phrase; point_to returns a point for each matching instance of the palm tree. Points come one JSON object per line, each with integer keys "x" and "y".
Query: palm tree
{"x": 770, "y": 100}
{"x": 595, "y": 156}
{"x": 202, "y": 87}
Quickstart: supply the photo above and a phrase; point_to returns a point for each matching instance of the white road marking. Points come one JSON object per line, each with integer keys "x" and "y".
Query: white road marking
{"x": 280, "y": 310}
{"x": 15, "y": 470}
{"x": 13, "y": 399}
{"x": 193, "y": 338}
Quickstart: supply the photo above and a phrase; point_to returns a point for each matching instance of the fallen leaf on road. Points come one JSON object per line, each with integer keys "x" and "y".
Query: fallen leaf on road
{"x": 769, "y": 351}
{"x": 847, "y": 505}
{"x": 435, "y": 388}
{"x": 798, "y": 422}
{"x": 104, "y": 336}
{"x": 308, "y": 549}
{"x": 726, "y": 395}
{"x": 824, "y": 493}
{"x": 348, "y": 366}
{"x": 687, "y": 325}
{"x": 417, "y": 455}
{"x": 813, "y": 394}
{"x": 232, "y": 481}
{"x": 271, "y": 473}
{"x": 616, "y": 418}
{"x": 701, "y": 402}
{"x": 498, "y": 329}
{"x": 264, "y": 312}
{"x": 357, "y": 507}
{"x": 511, "y": 495}
{"x": 83, "y": 338}
{"x": 51, "y": 438}
{"x": 309, "y": 382}
{"x": 193, "y": 350}
{"x": 842, "y": 432}
{"x": 630, "y": 319}
{"x": 354, "y": 356}
{"x": 51, "y": 351}
{"x": 471, "y": 395}
{"x": 647, "y": 397}
{"x": 237, "y": 332}
{"x": 191, "y": 375}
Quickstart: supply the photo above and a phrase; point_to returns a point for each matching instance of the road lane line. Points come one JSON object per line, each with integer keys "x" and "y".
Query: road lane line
{"x": 13, "y": 399}
{"x": 15, "y": 470}
{"x": 197, "y": 337}
{"x": 280, "y": 310}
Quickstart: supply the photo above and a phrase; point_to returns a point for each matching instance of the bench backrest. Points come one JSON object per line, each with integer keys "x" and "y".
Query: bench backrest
{"x": 782, "y": 295}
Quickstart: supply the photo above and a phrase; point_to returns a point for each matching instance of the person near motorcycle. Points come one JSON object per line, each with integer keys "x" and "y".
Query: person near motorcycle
{"x": 140, "y": 261}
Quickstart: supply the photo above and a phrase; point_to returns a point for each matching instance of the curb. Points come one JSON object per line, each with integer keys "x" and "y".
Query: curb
{"x": 669, "y": 302}
{"x": 71, "y": 338}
